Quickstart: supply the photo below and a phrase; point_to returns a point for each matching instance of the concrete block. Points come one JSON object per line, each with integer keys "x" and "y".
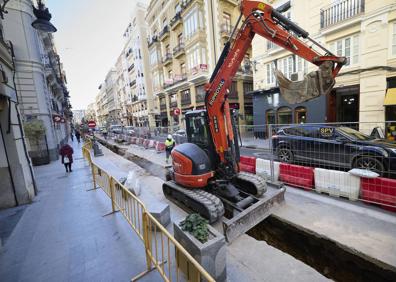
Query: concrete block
{"x": 337, "y": 183}
{"x": 263, "y": 167}
{"x": 211, "y": 255}
{"x": 160, "y": 211}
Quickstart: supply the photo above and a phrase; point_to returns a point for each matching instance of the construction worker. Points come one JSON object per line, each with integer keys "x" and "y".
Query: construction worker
{"x": 169, "y": 145}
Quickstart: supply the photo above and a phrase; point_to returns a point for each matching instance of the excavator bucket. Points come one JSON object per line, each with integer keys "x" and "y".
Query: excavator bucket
{"x": 245, "y": 220}
{"x": 315, "y": 83}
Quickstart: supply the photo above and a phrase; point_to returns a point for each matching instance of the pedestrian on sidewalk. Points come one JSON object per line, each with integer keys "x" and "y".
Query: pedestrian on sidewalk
{"x": 169, "y": 145}
{"x": 78, "y": 136}
{"x": 71, "y": 135}
{"x": 67, "y": 156}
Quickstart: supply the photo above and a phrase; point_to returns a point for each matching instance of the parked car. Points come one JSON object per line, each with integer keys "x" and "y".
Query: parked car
{"x": 129, "y": 130}
{"x": 180, "y": 136}
{"x": 117, "y": 129}
{"x": 340, "y": 147}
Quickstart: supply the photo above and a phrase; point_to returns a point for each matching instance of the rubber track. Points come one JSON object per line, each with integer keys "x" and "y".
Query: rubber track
{"x": 258, "y": 181}
{"x": 208, "y": 201}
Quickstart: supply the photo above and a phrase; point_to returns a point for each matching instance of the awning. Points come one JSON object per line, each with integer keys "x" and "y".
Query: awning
{"x": 390, "y": 98}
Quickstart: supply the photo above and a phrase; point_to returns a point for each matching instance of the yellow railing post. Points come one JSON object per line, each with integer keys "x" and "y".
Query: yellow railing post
{"x": 93, "y": 174}
{"x": 111, "y": 183}
{"x": 147, "y": 243}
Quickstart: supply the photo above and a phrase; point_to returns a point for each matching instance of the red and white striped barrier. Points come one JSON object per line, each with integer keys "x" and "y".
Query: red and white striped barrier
{"x": 247, "y": 164}
{"x": 297, "y": 175}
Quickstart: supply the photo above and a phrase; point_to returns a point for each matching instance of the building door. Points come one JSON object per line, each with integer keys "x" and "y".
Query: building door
{"x": 343, "y": 104}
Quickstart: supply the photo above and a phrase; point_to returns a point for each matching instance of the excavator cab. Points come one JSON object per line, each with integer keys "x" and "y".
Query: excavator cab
{"x": 198, "y": 132}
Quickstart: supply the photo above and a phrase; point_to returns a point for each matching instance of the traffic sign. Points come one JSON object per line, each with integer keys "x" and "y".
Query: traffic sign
{"x": 176, "y": 112}
{"x": 91, "y": 124}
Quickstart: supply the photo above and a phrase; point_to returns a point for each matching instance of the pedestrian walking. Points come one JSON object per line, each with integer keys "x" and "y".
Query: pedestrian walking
{"x": 66, "y": 152}
{"x": 169, "y": 145}
{"x": 78, "y": 136}
{"x": 104, "y": 132}
{"x": 72, "y": 136}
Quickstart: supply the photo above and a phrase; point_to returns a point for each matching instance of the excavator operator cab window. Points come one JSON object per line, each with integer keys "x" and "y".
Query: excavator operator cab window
{"x": 197, "y": 130}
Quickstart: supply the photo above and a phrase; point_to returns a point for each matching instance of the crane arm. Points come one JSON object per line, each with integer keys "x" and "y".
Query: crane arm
{"x": 262, "y": 19}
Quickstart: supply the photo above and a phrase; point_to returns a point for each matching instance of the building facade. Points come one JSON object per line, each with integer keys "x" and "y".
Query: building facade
{"x": 78, "y": 115}
{"x": 17, "y": 184}
{"x": 141, "y": 110}
{"x": 364, "y": 31}
{"x": 185, "y": 40}
{"x": 90, "y": 112}
{"x": 40, "y": 79}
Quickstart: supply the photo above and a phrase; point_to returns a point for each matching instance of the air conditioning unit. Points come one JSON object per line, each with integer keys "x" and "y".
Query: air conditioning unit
{"x": 297, "y": 76}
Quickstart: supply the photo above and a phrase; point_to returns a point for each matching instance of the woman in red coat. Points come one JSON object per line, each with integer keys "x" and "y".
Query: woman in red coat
{"x": 67, "y": 156}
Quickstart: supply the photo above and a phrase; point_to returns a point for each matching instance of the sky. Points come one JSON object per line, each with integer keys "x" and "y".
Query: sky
{"x": 89, "y": 40}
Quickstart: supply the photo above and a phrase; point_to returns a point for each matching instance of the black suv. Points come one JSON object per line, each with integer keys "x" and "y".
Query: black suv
{"x": 333, "y": 146}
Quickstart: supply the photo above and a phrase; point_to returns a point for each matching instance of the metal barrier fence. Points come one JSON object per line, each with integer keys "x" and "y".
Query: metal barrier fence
{"x": 353, "y": 160}
{"x": 160, "y": 246}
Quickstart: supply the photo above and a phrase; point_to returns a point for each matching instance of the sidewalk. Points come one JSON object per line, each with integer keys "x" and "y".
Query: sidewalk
{"x": 64, "y": 236}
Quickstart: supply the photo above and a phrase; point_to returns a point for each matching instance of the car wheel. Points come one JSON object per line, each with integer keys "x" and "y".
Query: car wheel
{"x": 370, "y": 163}
{"x": 285, "y": 155}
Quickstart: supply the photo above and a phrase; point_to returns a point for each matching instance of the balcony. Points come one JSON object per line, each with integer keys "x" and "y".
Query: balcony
{"x": 185, "y": 4}
{"x": 173, "y": 104}
{"x": 201, "y": 68}
{"x": 133, "y": 82}
{"x": 175, "y": 80}
{"x": 152, "y": 40}
{"x": 178, "y": 50}
{"x": 167, "y": 59}
{"x": 340, "y": 12}
{"x": 131, "y": 67}
{"x": 164, "y": 33}
{"x": 175, "y": 21}
{"x": 162, "y": 107}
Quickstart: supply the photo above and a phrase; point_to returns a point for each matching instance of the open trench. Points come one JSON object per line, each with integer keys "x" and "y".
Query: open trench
{"x": 332, "y": 259}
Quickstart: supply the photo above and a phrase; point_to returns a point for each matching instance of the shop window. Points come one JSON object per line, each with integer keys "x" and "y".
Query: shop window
{"x": 300, "y": 115}
{"x": 285, "y": 115}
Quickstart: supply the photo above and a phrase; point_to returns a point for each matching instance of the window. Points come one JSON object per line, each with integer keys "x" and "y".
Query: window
{"x": 177, "y": 8}
{"x": 300, "y": 114}
{"x": 285, "y": 115}
{"x": 193, "y": 22}
{"x": 183, "y": 68}
{"x": 180, "y": 38}
{"x": 153, "y": 57}
{"x": 196, "y": 56}
{"x": 270, "y": 74}
{"x": 167, "y": 49}
{"x": 270, "y": 117}
{"x": 394, "y": 40}
{"x": 302, "y": 65}
{"x": 227, "y": 22}
{"x": 286, "y": 66}
{"x": 348, "y": 47}
{"x": 170, "y": 74}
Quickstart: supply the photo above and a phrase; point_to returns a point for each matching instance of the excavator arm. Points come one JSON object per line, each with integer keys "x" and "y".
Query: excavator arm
{"x": 262, "y": 19}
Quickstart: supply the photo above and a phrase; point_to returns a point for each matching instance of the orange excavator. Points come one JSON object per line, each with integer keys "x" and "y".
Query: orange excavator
{"x": 206, "y": 177}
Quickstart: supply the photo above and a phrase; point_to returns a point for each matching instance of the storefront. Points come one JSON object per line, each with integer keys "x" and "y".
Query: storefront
{"x": 270, "y": 108}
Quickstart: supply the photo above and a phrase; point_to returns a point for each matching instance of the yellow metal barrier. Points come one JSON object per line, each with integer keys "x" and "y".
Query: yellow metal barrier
{"x": 160, "y": 246}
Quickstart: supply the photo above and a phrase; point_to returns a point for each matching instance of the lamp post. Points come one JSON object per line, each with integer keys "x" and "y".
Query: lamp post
{"x": 42, "y": 14}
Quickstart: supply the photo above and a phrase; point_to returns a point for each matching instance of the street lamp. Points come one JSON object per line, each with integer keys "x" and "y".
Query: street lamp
{"x": 42, "y": 14}
{"x": 43, "y": 18}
